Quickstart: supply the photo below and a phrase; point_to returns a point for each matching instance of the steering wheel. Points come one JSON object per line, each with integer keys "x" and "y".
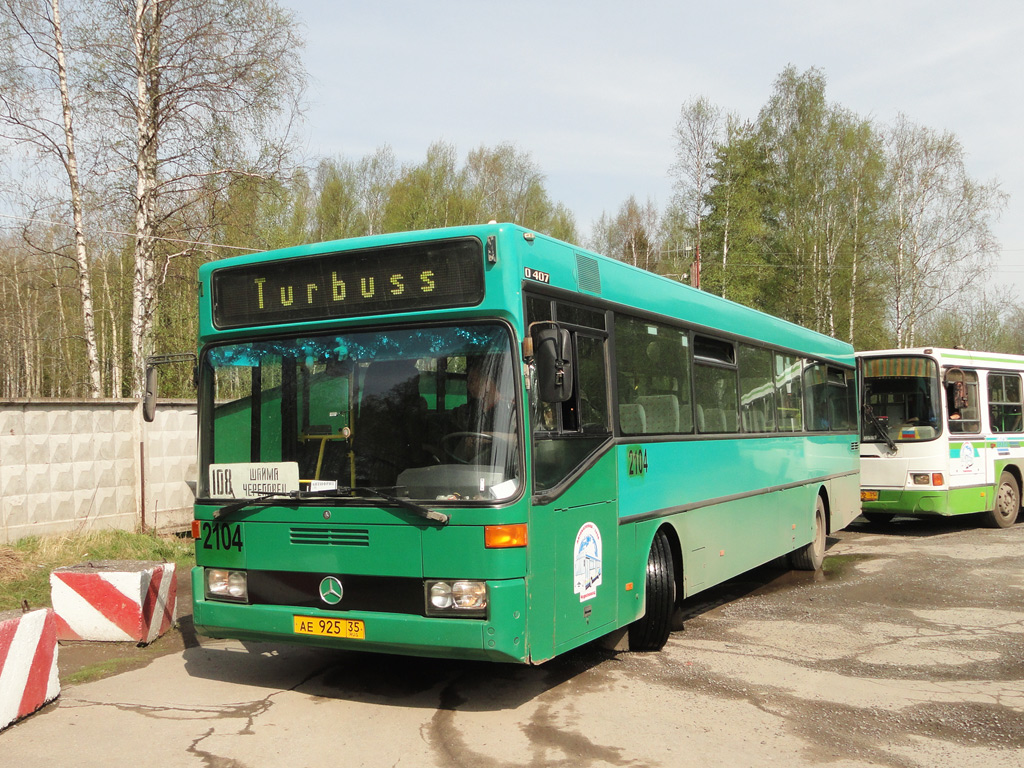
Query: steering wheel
{"x": 479, "y": 442}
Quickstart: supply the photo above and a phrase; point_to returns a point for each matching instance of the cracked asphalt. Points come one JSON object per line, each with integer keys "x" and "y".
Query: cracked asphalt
{"x": 907, "y": 651}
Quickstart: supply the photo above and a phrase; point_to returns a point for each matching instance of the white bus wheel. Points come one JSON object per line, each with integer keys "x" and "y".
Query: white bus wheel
{"x": 811, "y": 556}
{"x": 1004, "y": 512}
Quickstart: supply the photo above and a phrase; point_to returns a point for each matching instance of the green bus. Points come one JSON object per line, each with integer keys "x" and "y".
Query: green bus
{"x": 481, "y": 442}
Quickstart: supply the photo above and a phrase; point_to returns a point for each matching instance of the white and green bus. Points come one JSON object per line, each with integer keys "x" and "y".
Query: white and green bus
{"x": 942, "y": 434}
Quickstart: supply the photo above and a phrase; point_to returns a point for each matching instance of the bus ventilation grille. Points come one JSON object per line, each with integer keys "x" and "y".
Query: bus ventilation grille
{"x": 341, "y": 537}
{"x": 588, "y": 275}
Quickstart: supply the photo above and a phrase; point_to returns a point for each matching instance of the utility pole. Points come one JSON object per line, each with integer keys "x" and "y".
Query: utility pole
{"x": 696, "y": 266}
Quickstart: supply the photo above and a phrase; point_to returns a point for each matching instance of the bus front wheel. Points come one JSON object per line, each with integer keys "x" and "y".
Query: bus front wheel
{"x": 811, "y": 556}
{"x": 650, "y": 632}
{"x": 1004, "y": 513}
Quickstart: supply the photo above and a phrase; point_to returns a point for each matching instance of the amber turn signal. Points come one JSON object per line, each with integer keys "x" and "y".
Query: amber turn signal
{"x": 505, "y": 536}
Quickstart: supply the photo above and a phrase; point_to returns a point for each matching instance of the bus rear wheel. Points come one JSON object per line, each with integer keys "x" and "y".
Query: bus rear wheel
{"x": 1004, "y": 513}
{"x": 811, "y": 556}
{"x": 650, "y": 632}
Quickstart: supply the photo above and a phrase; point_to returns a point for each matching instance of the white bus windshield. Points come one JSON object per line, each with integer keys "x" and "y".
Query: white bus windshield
{"x": 904, "y": 397}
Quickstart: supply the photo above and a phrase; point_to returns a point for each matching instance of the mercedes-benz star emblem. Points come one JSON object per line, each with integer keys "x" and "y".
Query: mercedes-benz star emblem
{"x": 331, "y": 590}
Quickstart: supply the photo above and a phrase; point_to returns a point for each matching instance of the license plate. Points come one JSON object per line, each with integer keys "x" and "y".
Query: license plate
{"x": 869, "y": 495}
{"x": 352, "y": 629}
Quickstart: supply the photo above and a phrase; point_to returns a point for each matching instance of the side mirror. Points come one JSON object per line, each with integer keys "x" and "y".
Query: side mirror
{"x": 552, "y": 351}
{"x": 149, "y": 401}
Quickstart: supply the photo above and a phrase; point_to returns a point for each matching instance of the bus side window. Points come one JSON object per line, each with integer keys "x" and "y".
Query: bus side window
{"x": 564, "y": 434}
{"x": 962, "y": 401}
{"x": 1004, "y": 402}
{"x": 593, "y": 384}
{"x": 757, "y": 396}
{"x": 653, "y": 378}
{"x": 788, "y": 393}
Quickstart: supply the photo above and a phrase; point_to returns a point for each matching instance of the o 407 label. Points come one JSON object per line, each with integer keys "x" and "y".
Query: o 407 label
{"x": 536, "y": 274}
{"x": 636, "y": 461}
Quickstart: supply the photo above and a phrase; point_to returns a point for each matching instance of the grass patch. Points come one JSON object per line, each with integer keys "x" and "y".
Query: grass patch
{"x": 25, "y": 566}
{"x": 101, "y": 669}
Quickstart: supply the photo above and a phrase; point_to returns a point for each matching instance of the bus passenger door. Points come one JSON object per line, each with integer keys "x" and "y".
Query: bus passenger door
{"x": 575, "y": 545}
{"x": 585, "y": 571}
{"x": 574, "y": 523}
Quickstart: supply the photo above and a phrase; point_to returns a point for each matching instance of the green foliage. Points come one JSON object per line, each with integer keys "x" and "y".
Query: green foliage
{"x": 735, "y": 260}
{"x": 430, "y": 195}
{"x": 25, "y": 567}
{"x": 990, "y": 321}
{"x": 337, "y": 214}
{"x": 796, "y": 212}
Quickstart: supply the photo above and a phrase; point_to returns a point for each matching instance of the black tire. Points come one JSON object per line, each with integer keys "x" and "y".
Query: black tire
{"x": 879, "y": 518}
{"x": 811, "y": 556}
{"x": 650, "y": 632}
{"x": 1007, "y": 503}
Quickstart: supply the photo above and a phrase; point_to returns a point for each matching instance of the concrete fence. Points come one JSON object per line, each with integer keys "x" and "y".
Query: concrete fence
{"x": 71, "y": 465}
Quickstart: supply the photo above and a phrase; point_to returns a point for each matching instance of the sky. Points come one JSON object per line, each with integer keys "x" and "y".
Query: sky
{"x": 593, "y": 90}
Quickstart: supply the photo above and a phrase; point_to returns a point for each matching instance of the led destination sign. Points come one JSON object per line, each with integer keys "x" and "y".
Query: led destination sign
{"x": 400, "y": 278}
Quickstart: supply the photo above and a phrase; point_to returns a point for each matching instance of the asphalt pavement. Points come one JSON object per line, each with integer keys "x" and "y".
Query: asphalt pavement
{"x": 908, "y": 651}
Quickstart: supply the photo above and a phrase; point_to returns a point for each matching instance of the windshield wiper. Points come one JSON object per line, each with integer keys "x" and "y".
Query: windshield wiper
{"x": 424, "y": 512}
{"x": 269, "y": 498}
{"x": 869, "y": 414}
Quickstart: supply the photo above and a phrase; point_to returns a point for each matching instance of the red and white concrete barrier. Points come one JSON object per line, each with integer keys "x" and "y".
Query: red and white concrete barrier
{"x": 28, "y": 663}
{"x": 114, "y": 600}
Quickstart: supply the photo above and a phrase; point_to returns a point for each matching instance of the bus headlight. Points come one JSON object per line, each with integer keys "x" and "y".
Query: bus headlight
{"x": 223, "y": 584}
{"x": 456, "y": 598}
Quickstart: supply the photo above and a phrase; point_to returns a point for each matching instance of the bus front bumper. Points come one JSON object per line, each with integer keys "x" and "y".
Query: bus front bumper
{"x": 499, "y": 637}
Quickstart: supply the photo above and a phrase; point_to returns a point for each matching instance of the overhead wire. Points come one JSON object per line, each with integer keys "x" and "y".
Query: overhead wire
{"x": 179, "y": 241}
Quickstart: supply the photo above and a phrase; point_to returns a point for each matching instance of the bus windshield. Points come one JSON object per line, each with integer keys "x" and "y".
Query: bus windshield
{"x": 903, "y": 395}
{"x": 423, "y": 413}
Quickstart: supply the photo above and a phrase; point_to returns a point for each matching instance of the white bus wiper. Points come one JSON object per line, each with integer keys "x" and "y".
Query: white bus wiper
{"x": 424, "y": 512}
{"x": 879, "y": 427}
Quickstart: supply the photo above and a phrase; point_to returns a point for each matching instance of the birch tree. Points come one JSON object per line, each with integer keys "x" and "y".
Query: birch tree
{"x": 697, "y": 133}
{"x": 37, "y": 113}
{"x": 632, "y": 235}
{"x": 821, "y": 160}
{"x": 182, "y": 98}
{"x": 939, "y": 238}
{"x": 434, "y": 193}
{"x": 736, "y": 229}
{"x": 507, "y": 185}
{"x": 376, "y": 175}
{"x": 982, "y": 318}
{"x": 202, "y": 92}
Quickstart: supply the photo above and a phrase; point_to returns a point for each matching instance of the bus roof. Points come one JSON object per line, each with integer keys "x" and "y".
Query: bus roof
{"x": 946, "y": 356}
{"x": 612, "y": 280}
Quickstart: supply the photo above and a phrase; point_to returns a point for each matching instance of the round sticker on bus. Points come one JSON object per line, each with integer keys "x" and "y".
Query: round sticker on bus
{"x": 587, "y": 562}
{"x": 966, "y": 457}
